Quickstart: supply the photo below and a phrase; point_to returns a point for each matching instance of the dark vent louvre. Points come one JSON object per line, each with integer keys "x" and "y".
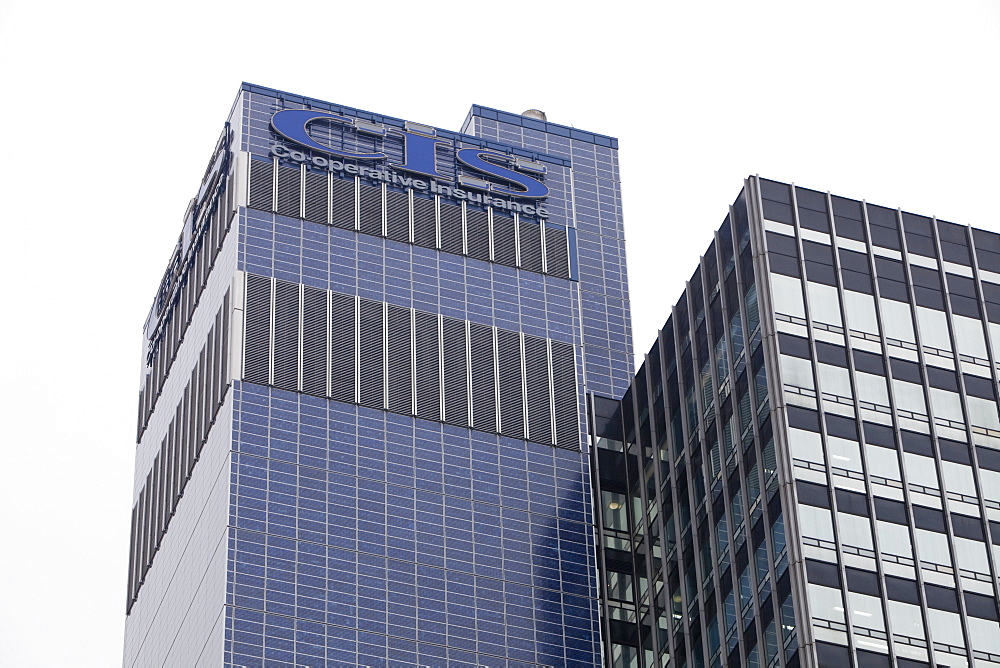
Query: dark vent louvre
{"x": 536, "y": 381}
{"x": 342, "y": 348}
{"x": 531, "y": 245}
{"x": 484, "y": 400}
{"x": 556, "y": 252}
{"x": 224, "y": 347}
{"x": 504, "y": 245}
{"x": 185, "y": 435}
{"x": 397, "y": 212}
{"x": 477, "y": 224}
{"x": 258, "y": 330}
{"x": 371, "y": 363}
{"x": 456, "y": 372}
{"x": 371, "y": 210}
{"x": 400, "y": 361}
{"x": 428, "y": 366}
{"x": 424, "y": 223}
{"x": 286, "y": 336}
{"x": 316, "y": 198}
{"x": 564, "y": 392}
{"x": 343, "y": 204}
{"x": 451, "y": 228}
{"x": 314, "y": 321}
{"x": 511, "y": 397}
{"x": 289, "y": 192}
{"x": 261, "y": 195}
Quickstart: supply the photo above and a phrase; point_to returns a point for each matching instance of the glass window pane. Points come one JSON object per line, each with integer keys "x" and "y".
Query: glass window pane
{"x": 825, "y": 304}
{"x": 933, "y": 328}
{"x": 897, "y": 320}
{"x": 861, "y": 312}
{"x": 787, "y": 292}
{"x": 969, "y": 334}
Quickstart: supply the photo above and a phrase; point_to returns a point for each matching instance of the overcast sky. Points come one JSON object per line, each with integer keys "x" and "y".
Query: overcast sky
{"x": 110, "y": 113}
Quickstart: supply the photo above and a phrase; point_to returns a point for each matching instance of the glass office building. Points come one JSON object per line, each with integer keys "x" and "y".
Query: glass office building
{"x": 805, "y": 470}
{"x": 362, "y": 419}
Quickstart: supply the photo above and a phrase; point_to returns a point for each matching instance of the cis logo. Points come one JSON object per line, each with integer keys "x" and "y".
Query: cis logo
{"x": 419, "y": 151}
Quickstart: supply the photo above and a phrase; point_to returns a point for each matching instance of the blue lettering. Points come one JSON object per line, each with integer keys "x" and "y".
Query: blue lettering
{"x": 419, "y": 153}
{"x": 475, "y": 158}
{"x": 293, "y": 124}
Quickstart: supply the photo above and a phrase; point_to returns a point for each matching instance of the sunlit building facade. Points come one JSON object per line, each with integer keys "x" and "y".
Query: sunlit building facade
{"x": 805, "y": 470}
{"x": 361, "y": 435}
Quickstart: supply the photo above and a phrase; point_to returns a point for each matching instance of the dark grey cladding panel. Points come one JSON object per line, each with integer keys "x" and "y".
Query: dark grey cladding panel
{"x": 397, "y": 214}
{"x": 399, "y": 360}
{"x": 427, "y": 365}
{"x": 256, "y": 355}
{"x": 316, "y": 195}
{"x": 289, "y": 192}
{"x": 454, "y": 345}
{"x": 343, "y": 346}
{"x": 451, "y": 229}
{"x": 261, "y": 185}
{"x": 482, "y": 359}
{"x": 424, "y": 222}
{"x": 477, "y": 224}
{"x": 371, "y": 356}
{"x": 511, "y": 381}
{"x": 315, "y": 335}
{"x": 343, "y": 212}
{"x": 370, "y": 206}
{"x": 286, "y": 336}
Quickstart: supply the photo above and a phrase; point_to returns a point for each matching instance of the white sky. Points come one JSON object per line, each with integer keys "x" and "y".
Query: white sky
{"x": 110, "y": 112}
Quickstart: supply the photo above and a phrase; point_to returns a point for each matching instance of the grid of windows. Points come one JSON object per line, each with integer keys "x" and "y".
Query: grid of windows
{"x": 831, "y": 368}
{"x": 693, "y": 528}
{"x": 887, "y": 364}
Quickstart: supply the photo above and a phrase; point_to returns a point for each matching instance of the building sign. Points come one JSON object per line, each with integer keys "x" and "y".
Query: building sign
{"x": 420, "y": 147}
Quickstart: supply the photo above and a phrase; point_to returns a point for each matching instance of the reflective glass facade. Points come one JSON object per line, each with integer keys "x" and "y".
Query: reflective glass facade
{"x": 805, "y": 469}
{"x": 362, "y": 421}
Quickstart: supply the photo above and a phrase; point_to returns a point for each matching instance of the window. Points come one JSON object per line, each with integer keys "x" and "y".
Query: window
{"x": 797, "y": 371}
{"x": 882, "y": 462}
{"x": 894, "y": 539}
{"x": 861, "y": 312}
{"x": 844, "y": 454}
{"x": 933, "y": 328}
{"x": 835, "y": 380}
{"x": 787, "y": 294}
{"x": 969, "y": 334}
{"x": 855, "y": 531}
{"x": 825, "y": 304}
{"x": 872, "y": 388}
{"x": 920, "y": 471}
{"x": 909, "y": 397}
{"x": 808, "y": 445}
{"x": 933, "y": 547}
{"x": 816, "y": 523}
{"x": 897, "y": 320}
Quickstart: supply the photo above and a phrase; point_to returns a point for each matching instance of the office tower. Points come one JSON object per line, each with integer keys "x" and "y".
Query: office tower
{"x": 361, "y": 432}
{"x": 805, "y": 470}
